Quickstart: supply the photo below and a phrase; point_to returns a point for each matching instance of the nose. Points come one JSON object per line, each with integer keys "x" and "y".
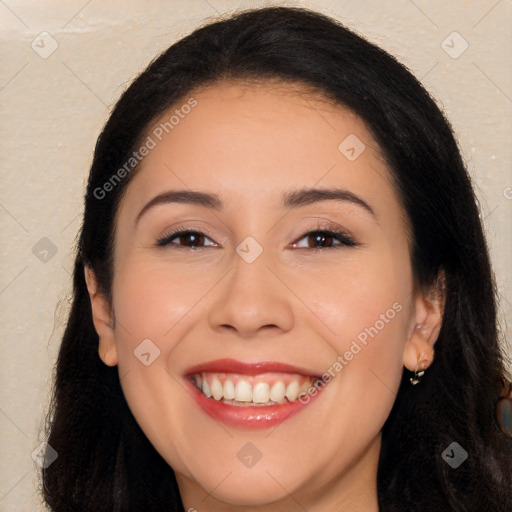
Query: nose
{"x": 250, "y": 300}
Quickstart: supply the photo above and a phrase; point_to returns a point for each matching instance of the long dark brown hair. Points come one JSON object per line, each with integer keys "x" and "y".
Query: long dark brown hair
{"x": 106, "y": 463}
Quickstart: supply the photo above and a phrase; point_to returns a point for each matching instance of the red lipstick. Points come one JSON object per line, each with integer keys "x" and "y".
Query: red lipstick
{"x": 245, "y": 415}
{"x": 234, "y": 366}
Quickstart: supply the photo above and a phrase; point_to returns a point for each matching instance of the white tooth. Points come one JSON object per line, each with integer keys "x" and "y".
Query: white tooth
{"x": 243, "y": 391}
{"x": 216, "y": 388}
{"x": 198, "y": 381}
{"x": 292, "y": 391}
{"x": 277, "y": 392}
{"x": 229, "y": 390}
{"x": 260, "y": 393}
{"x": 206, "y": 389}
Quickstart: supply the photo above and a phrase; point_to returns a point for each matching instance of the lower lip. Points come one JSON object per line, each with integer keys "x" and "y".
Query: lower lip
{"x": 257, "y": 417}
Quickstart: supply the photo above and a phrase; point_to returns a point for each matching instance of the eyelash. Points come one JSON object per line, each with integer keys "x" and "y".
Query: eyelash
{"x": 344, "y": 239}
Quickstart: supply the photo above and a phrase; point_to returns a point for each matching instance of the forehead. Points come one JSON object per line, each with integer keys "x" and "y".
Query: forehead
{"x": 255, "y": 140}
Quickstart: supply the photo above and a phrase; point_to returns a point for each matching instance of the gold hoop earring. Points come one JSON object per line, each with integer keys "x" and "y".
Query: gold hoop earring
{"x": 417, "y": 377}
{"x": 419, "y": 374}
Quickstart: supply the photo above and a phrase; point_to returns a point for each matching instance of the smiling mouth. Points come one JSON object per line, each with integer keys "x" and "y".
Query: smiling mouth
{"x": 241, "y": 390}
{"x": 252, "y": 395}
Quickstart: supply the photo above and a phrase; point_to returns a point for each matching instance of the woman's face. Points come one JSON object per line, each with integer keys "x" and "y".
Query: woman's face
{"x": 297, "y": 267}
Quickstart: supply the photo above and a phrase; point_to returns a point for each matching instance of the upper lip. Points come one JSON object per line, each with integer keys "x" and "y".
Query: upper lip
{"x": 247, "y": 368}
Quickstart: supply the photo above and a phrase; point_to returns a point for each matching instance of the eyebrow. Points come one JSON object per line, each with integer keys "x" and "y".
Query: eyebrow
{"x": 293, "y": 199}
{"x": 307, "y": 196}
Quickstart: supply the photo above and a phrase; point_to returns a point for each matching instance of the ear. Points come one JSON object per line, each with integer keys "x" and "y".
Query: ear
{"x": 428, "y": 318}
{"x": 102, "y": 318}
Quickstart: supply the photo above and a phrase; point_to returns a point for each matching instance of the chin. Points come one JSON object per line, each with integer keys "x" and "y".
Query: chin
{"x": 248, "y": 488}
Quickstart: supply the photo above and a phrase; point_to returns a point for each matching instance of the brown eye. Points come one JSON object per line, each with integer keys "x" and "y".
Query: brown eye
{"x": 187, "y": 239}
{"x": 325, "y": 240}
{"x": 191, "y": 239}
{"x": 320, "y": 239}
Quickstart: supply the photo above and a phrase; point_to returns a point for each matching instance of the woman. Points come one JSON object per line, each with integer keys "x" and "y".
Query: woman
{"x": 282, "y": 293}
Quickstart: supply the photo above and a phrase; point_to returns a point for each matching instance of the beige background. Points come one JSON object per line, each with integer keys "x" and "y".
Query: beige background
{"x": 53, "y": 107}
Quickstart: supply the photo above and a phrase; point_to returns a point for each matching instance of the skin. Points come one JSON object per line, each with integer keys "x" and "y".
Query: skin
{"x": 302, "y": 306}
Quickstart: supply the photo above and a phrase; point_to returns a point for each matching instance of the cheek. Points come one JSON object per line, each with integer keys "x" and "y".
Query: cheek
{"x": 153, "y": 309}
{"x": 151, "y": 300}
{"x": 362, "y": 311}
{"x": 361, "y": 297}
